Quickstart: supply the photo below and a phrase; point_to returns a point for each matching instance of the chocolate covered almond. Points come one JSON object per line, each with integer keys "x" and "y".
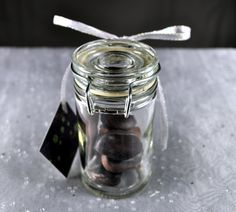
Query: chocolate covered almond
{"x": 119, "y": 146}
{"x": 117, "y": 122}
{"x": 100, "y": 175}
{"x": 120, "y": 166}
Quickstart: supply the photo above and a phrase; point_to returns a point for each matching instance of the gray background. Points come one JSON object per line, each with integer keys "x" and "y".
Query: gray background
{"x": 196, "y": 173}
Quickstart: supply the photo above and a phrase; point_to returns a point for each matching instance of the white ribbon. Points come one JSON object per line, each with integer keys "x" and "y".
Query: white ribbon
{"x": 173, "y": 33}
{"x": 81, "y": 27}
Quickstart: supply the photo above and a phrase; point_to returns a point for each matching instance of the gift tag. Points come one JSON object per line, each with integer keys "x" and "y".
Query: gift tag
{"x": 61, "y": 142}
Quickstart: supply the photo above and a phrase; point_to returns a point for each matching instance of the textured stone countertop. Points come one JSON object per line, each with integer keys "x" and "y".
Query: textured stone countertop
{"x": 196, "y": 173}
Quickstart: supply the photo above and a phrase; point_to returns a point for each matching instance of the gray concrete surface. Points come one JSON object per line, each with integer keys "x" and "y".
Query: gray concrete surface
{"x": 196, "y": 173}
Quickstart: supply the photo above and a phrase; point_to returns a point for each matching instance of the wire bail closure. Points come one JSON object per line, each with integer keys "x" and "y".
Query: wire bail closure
{"x": 89, "y": 101}
{"x": 128, "y": 100}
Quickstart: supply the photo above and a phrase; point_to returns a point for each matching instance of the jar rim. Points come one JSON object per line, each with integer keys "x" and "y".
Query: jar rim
{"x": 81, "y": 69}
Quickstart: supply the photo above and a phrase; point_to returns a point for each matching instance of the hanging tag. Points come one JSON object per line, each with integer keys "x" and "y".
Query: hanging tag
{"x": 61, "y": 142}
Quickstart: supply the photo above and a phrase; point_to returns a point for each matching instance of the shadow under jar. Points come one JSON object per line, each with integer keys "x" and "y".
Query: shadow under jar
{"x": 115, "y": 85}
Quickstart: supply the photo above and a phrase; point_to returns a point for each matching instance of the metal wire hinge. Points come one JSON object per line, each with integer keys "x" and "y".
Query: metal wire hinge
{"x": 89, "y": 101}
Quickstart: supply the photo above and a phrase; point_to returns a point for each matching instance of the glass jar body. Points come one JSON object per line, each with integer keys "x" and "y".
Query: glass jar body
{"x": 116, "y": 152}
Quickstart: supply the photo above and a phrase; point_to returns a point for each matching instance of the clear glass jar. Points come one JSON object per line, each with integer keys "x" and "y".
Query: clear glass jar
{"x": 115, "y": 84}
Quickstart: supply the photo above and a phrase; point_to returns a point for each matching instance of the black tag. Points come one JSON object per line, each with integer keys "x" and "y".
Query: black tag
{"x": 61, "y": 142}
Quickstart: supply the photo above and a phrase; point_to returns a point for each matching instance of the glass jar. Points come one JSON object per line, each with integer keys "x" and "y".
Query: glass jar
{"x": 115, "y": 85}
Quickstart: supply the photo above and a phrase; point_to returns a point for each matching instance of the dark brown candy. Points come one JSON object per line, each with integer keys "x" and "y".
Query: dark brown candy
{"x": 103, "y": 177}
{"x": 117, "y": 122}
{"x": 100, "y": 175}
{"x": 103, "y": 131}
{"x": 119, "y": 146}
{"x": 131, "y": 177}
{"x": 120, "y": 166}
{"x": 136, "y": 131}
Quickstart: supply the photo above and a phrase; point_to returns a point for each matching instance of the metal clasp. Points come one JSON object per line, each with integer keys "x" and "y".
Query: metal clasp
{"x": 89, "y": 101}
{"x": 128, "y": 100}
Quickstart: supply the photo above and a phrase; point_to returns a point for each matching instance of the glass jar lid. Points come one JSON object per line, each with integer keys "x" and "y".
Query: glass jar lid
{"x": 111, "y": 75}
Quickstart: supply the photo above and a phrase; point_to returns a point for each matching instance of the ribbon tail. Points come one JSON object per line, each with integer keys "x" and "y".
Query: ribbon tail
{"x": 164, "y": 131}
{"x": 173, "y": 33}
{"x": 81, "y": 27}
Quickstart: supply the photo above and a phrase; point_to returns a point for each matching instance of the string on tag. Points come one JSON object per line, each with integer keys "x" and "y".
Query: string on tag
{"x": 173, "y": 33}
{"x": 63, "y": 89}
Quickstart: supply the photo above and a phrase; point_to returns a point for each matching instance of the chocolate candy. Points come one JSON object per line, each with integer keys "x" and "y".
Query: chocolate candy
{"x": 119, "y": 146}
{"x": 130, "y": 177}
{"x": 136, "y": 131}
{"x": 117, "y": 122}
{"x": 103, "y": 131}
{"x": 120, "y": 166}
{"x": 118, "y": 149}
{"x": 100, "y": 175}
